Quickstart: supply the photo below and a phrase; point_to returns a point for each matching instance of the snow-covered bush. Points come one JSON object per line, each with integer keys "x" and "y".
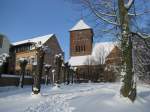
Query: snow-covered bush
{"x": 3, "y": 62}
{"x": 3, "y": 58}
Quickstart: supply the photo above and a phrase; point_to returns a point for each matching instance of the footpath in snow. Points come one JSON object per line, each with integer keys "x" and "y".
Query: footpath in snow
{"x": 102, "y": 97}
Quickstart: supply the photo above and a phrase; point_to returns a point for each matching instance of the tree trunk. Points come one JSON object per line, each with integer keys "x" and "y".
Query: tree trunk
{"x": 126, "y": 44}
{"x": 38, "y": 75}
{"x": 64, "y": 78}
{"x": 88, "y": 73}
{"x": 72, "y": 73}
{"x": 58, "y": 73}
{"x": 22, "y": 79}
{"x": 68, "y": 73}
{"x": 46, "y": 79}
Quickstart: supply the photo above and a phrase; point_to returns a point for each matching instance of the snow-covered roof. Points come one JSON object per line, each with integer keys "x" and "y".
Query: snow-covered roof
{"x": 78, "y": 60}
{"x": 99, "y": 53}
{"x": 41, "y": 39}
{"x": 81, "y": 25}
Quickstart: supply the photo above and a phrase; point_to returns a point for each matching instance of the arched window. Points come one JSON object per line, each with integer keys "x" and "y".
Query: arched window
{"x": 84, "y": 48}
{"x": 79, "y": 49}
{"x": 76, "y": 47}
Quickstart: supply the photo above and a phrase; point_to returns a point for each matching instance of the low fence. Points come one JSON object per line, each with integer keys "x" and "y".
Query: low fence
{"x": 13, "y": 80}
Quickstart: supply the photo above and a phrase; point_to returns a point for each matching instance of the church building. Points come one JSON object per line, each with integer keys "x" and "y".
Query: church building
{"x": 87, "y": 57}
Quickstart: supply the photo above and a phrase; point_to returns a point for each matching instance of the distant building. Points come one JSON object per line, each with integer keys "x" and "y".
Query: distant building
{"x": 4, "y": 44}
{"x": 26, "y": 49}
{"x": 90, "y": 61}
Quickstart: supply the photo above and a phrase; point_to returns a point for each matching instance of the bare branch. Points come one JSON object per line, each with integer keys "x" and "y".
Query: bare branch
{"x": 99, "y": 15}
{"x": 104, "y": 19}
{"x": 105, "y": 14}
{"x": 130, "y": 14}
{"x": 129, "y": 4}
{"x": 108, "y": 30}
{"x": 142, "y": 35}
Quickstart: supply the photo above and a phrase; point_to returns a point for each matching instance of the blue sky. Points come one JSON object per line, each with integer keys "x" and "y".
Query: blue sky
{"x": 22, "y": 19}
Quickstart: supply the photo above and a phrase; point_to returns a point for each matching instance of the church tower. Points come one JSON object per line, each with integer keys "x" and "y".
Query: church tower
{"x": 81, "y": 39}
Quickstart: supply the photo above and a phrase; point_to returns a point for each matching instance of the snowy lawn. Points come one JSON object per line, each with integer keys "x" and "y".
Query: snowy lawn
{"x": 102, "y": 97}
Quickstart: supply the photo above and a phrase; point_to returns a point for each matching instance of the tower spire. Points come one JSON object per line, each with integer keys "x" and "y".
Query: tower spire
{"x": 81, "y": 14}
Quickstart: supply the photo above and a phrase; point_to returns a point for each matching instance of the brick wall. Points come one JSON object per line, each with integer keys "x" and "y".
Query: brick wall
{"x": 81, "y": 42}
{"x": 114, "y": 57}
{"x": 53, "y": 49}
{"x": 28, "y": 55}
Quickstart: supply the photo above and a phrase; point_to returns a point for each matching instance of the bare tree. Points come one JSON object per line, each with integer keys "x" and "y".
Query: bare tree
{"x": 102, "y": 50}
{"x": 67, "y": 70}
{"x": 141, "y": 58}
{"x": 117, "y": 14}
{"x": 47, "y": 69}
{"x": 58, "y": 63}
{"x": 71, "y": 74}
{"x": 40, "y": 52}
{"x": 23, "y": 63}
{"x": 101, "y": 53}
{"x": 64, "y": 72}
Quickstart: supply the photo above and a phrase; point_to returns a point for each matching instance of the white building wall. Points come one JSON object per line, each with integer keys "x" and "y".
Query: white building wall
{"x": 5, "y": 46}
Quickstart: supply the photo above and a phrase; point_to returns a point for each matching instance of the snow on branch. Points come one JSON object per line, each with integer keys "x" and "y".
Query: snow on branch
{"x": 143, "y": 35}
{"x": 129, "y": 4}
{"x": 39, "y": 45}
{"x": 59, "y": 56}
{"x": 100, "y": 15}
{"x": 108, "y": 30}
{"x": 23, "y": 59}
{"x": 34, "y": 63}
{"x": 139, "y": 14}
{"x": 106, "y": 14}
{"x": 104, "y": 19}
{"x": 47, "y": 65}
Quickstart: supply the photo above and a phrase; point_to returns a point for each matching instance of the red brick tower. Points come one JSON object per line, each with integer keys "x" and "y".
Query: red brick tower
{"x": 81, "y": 39}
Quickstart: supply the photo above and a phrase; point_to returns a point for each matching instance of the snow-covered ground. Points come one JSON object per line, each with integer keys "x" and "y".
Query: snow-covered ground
{"x": 102, "y": 97}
